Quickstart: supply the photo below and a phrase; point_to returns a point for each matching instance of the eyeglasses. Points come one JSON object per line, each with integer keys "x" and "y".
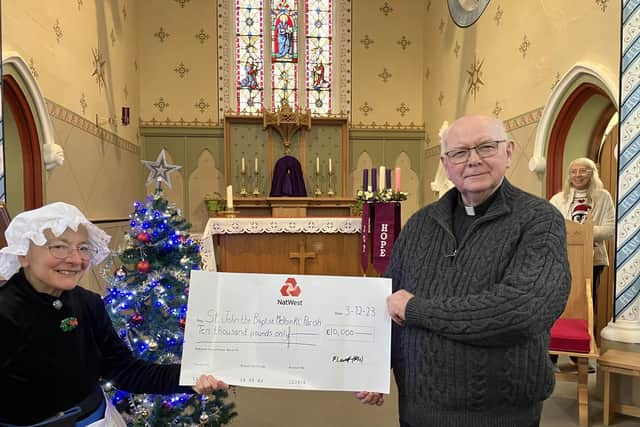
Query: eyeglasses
{"x": 484, "y": 150}
{"x": 581, "y": 171}
{"x": 61, "y": 251}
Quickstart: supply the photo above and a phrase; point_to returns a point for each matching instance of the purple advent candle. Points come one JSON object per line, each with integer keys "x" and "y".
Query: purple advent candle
{"x": 365, "y": 179}
{"x": 387, "y": 178}
{"x": 374, "y": 180}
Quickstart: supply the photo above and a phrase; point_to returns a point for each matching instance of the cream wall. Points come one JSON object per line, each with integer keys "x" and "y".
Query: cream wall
{"x": 58, "y": 43}
{"x": 522, "y": 49}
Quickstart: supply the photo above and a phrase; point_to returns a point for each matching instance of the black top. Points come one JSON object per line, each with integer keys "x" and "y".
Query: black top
{"x": 45, "y": 369}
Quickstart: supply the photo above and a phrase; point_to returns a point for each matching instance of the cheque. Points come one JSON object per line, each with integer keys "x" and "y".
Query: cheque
{"x": 288, "y": 331}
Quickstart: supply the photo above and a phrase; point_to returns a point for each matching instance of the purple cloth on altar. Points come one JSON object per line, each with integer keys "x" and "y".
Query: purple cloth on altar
{"x": 287, "y": 178}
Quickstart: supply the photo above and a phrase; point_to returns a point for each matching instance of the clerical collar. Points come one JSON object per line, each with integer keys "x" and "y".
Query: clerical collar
{"x": 479, "y": 210}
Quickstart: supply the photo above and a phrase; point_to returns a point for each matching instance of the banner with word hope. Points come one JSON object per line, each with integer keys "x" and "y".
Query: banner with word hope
{"x": 386, "y": 227}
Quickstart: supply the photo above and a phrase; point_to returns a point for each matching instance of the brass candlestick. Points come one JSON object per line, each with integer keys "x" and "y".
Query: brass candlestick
{"x": 256, "y": 188}
{"x": 330, "y": 191}
{"x": 243, "y": 183}
{"x": 318, "y": 192}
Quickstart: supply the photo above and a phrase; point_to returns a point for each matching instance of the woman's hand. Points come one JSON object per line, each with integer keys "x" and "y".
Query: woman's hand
{"x": 370, "y": 398}
{"x": 207, "y": 384}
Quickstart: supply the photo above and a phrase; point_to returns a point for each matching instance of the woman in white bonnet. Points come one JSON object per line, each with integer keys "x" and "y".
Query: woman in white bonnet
{"x": 57, "y": 340}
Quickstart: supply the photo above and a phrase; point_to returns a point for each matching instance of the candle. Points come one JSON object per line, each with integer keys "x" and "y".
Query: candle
{"x": 242, "y": 169}
{"x": 256, "y": 166}
{"x": 317, "y": 165}
{"x": 387, "y": 182}
{"x": 381, "y": 178}
{"x": 330, "y": 170}
{"x": 397, "y": 180}
{"x": 365, "y": 179}
{"x": 374, "y": 180}
{"x": 229, "y": 197}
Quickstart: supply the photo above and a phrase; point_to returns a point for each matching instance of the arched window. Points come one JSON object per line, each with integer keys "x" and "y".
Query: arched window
{"x": 284, "y": 52}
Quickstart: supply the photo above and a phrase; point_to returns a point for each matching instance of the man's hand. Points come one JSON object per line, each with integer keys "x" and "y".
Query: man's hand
{"x": 207, "y": 384}
{"x": 370, "y": 398}
{"x": 397, "y": 305}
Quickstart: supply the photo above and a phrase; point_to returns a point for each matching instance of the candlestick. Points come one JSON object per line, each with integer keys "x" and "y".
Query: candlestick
{"x": 229, "y": 197}
{"x": 243, "y": 180}
{"x": 365, "y": 179}
{"x": 374, "y": 179}
{"x": 330, "y": 191}
{"x": 318, "y": 191}
{"x": 256, "y": 186}
{"x": 397, "y": 180}
{"x": 381, "y": 186}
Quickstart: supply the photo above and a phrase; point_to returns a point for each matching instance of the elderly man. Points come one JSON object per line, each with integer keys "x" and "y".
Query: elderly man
{"x": 479, "y": 277}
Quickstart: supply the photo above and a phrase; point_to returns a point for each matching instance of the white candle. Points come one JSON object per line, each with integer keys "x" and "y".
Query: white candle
{"x": 330, "y": 170}
{"x": 229, "y": 197}
{"x": 318, "y": 165}
{"x": 242, "y": 165}
{"x": 369, "y": 188}
{"x": 256, "y": 166}
{"x": 381, "y": 176}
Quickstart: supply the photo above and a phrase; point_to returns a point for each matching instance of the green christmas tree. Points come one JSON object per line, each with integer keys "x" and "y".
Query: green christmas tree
{"x": 147, "y": 302}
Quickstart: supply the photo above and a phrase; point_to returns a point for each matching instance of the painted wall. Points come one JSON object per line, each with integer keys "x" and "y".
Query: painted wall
{"x": 83, "y": 57}
{"x": 509, "y": 61}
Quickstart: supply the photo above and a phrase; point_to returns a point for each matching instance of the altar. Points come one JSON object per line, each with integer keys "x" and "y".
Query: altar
{"x": 321, "y": 245}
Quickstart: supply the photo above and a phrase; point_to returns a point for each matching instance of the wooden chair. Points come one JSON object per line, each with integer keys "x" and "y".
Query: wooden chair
{"x": 572, "y": 334}
{"x": 5, "y": 219}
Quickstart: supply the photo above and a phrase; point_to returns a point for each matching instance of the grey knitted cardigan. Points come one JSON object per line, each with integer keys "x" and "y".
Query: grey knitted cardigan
{"x": 473, "y": 350}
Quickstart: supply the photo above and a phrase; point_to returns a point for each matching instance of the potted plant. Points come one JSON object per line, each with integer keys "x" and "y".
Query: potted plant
{"x": 214, "y": 202}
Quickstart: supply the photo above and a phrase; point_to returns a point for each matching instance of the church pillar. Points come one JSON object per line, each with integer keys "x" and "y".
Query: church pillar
{"x": 624, "y": 332}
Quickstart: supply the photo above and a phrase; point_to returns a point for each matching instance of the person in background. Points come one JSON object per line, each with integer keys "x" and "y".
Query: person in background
{"x": 57, "y": 338}
{"x": 583, "y": 195}
{"x": 479, "y": 278}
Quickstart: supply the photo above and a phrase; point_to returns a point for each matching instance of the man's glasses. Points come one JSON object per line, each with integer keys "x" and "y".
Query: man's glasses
{"x": 484, "y": 150}
{"x": 62, "y": 251}
{"x": 581, "y": 171}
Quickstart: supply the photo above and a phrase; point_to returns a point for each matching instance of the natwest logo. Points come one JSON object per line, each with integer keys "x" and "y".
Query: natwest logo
{"x": 290, "y": 288}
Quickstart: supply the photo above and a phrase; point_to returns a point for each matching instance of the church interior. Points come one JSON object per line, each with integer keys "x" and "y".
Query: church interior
{"x": 90, "y": 89}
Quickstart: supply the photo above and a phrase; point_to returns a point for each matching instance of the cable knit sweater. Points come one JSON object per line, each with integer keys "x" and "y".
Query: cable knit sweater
{"x": 473, "y": 350}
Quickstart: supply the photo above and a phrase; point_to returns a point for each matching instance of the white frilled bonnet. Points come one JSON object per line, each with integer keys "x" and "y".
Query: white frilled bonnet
{"x": 30, "y": 225}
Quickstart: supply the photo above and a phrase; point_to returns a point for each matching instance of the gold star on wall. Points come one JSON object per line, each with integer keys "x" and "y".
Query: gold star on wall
{"x": 202, "y": 36}
{"x": 161, "y": 104}
{"x": 441, "y": 98}
{"x": 58, "y": 31}
{"x": 386, "y": 9}
{"x": 498, "y": 15}
{"x": 181, "y": 69}
{"x": 603, "y": 4}
{"x": 385, "y": 75}
{"x": 403, "y": 109}
{"x": 366, "y": 108}
{"x": 161, "y": 34}
{"x": 366, "y": 41}
{"x": 524, "y": 46}
{"x": 98, "y": 67}
{"x": 403, "y": 42}
{"x": 202, "y": 105}
{"x": 497, "y": 109}
{"x": 475, "y": 77}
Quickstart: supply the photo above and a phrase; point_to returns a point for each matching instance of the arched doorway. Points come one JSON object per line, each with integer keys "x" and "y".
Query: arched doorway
{"x": 29, "y": 146}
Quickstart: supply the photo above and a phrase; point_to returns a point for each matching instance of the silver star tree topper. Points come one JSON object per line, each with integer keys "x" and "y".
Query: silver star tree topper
{"x": 160, "y": 169}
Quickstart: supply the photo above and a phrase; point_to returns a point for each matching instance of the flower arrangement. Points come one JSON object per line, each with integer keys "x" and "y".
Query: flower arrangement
{"x": 386, "y": 195}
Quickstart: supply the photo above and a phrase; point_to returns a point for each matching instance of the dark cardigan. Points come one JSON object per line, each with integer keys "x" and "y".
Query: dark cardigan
{"x": 45, "y": 370}
{"x": 473, "y": 351}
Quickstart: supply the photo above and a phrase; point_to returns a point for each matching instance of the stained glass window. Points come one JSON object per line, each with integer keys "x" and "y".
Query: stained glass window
{"x": 319, "y": 59}
{"x": 293, "y": 38}
{"x": 249, "y": 56}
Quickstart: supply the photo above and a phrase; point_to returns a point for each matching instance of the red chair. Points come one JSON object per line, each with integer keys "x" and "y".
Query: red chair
{"x": 572, "y": 333}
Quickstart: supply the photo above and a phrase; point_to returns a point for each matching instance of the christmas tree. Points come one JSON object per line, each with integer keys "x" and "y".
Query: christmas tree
{"x": 147, "y": 302}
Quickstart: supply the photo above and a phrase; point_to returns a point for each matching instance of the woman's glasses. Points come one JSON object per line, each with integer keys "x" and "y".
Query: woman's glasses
{"x": 580, "y": 171}
{"x": 62, "y": 251}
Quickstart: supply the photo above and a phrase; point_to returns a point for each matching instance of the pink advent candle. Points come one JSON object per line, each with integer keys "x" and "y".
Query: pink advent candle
{"x": 397, "y": 179}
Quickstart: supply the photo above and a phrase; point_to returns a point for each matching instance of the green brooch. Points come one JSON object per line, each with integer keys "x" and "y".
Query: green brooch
{"x": 68, "y": 324}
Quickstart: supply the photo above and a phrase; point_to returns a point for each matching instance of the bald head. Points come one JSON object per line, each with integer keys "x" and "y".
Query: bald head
{"x": 465, "y": 127}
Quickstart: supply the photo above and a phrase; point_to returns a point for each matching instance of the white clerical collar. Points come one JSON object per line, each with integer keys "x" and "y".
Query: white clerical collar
{"x": 470, "y": 210}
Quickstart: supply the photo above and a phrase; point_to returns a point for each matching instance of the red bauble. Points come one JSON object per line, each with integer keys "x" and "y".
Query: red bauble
{"x": 143, "y": 266}
{"x": 143, "y": 237}
{"x": 137, "y": 319}
{"x": 182, "y": 239}
{"x": 182, "y": 322}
